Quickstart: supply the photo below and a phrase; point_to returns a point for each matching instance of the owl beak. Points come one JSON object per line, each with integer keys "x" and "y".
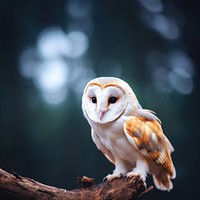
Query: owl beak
{"x": 101, "y": 113}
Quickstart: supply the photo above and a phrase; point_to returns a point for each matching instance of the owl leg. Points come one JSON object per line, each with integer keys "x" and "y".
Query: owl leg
{"x": 119, "y": 171}
{"x": 141, "y": 170}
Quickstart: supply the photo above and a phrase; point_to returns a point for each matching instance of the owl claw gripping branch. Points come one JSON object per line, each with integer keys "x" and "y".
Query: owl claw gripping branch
{"x": 128, "y": 135}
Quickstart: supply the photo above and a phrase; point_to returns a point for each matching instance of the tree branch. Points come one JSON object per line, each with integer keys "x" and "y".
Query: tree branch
{"x": 16, "y": 187}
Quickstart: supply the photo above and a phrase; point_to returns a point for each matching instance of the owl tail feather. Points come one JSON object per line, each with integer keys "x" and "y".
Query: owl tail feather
{"x": 162, "y": 181}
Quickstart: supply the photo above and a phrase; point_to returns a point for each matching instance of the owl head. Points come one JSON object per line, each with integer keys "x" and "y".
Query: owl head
{"x": 105, "y": 99}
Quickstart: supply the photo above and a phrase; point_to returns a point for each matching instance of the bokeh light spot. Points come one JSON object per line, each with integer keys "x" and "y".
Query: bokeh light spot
{"x": 165, "y": 26}
{"x": 180, "y": 82}
{"x": 78, "y": 9}
{"x": 52, "y": 76}
{"x": 152, "y": 5}
{"x": 52, "y": 43}
{"x": 55, "y": 98}
{"x": 78, "y": 42}
{"x": 28, "y": 62}
{"x": 51, "y": 79}
{"x": 180, "y": 61}
{"x": 162, "y": 24}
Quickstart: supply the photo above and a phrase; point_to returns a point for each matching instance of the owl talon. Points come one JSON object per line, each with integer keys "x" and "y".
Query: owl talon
{"x": 111, "y": 177}
{"x": 105, "y": 179}
{"x": 142, "y": 177}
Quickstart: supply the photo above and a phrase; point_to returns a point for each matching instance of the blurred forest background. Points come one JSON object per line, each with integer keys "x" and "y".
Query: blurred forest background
{"x": 50, "y": 49}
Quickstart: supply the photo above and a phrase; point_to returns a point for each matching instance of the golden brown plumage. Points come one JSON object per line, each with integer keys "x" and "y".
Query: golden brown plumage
{"x": 149, "y": 137}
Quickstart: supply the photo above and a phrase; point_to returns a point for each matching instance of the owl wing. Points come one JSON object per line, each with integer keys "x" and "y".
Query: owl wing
{"x": 101, "y": 147}
{"x": 144, "y": 132}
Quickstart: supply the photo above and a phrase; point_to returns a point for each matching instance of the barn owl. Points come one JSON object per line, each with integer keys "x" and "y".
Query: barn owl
{"x": 129, "y": 136}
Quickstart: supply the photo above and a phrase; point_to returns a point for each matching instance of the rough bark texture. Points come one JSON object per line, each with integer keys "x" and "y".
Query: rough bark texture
{"x": 16, "y": 187}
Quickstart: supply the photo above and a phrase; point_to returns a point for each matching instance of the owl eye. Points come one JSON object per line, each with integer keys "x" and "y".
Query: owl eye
{"x": 94, "y": 100}
{"x": 112, "y": 100}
